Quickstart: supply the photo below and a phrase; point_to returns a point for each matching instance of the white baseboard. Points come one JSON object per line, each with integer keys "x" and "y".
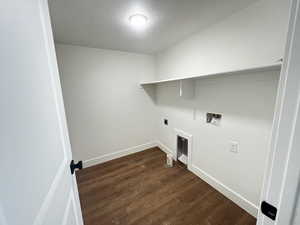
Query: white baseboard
{"x": 164, "y": 148}
{"x": 238, "y": 199}
{"x": 226, "y": 191}
{"x": 118, "y": 154}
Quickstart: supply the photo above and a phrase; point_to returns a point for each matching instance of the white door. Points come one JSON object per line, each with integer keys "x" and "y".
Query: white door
{"x": 281, "y": 186}
{"x": 36, "y": 186}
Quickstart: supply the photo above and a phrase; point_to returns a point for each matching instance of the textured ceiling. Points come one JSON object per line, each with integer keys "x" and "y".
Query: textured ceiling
{"x": 104, "y": 23}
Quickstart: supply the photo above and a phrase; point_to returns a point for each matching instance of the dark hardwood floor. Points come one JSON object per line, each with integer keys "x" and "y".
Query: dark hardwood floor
{"x": 139, "y": 190}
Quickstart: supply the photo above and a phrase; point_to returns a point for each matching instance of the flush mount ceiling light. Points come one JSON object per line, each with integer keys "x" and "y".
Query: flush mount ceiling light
{"x": 138, "y": 21}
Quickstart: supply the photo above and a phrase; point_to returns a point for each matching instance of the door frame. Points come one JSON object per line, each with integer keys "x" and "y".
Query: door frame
{"x": 280, "y": 186}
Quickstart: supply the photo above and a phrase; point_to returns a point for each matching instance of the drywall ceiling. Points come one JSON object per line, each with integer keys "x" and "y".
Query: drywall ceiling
{"x": 104, "y": 23}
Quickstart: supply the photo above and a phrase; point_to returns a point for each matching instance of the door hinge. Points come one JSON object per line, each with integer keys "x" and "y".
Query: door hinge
{"x": 268, "y": 210}
{"x": 74, "y": 166}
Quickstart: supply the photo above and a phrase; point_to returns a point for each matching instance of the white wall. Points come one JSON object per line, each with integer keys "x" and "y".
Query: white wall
{"x": 246, "y": 102}
{"x": 251, "y": 37}
{"x": 106, "y": 109}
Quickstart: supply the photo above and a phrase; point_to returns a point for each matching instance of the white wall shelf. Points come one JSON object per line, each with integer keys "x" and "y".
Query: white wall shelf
{"x": 275, "y": 66}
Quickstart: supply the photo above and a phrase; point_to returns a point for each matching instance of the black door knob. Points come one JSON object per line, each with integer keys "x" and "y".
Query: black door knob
{"x": 74, "y": 166}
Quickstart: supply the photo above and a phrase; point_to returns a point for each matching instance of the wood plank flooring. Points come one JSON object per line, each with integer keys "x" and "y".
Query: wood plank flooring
{"x": 139, "y": 190}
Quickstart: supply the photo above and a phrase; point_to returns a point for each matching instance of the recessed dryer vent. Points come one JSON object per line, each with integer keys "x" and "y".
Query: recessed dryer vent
{"x": 182, "y": 149}
{"x": 183, "y": 152}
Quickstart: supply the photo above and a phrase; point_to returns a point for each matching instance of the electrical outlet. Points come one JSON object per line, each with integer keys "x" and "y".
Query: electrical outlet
{"x": 234, "y": 146}
{"x": 166, "y": 122}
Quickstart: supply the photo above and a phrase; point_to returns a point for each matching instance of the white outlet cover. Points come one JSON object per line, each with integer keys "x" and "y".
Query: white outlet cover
{"x": 234, "y": 146}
